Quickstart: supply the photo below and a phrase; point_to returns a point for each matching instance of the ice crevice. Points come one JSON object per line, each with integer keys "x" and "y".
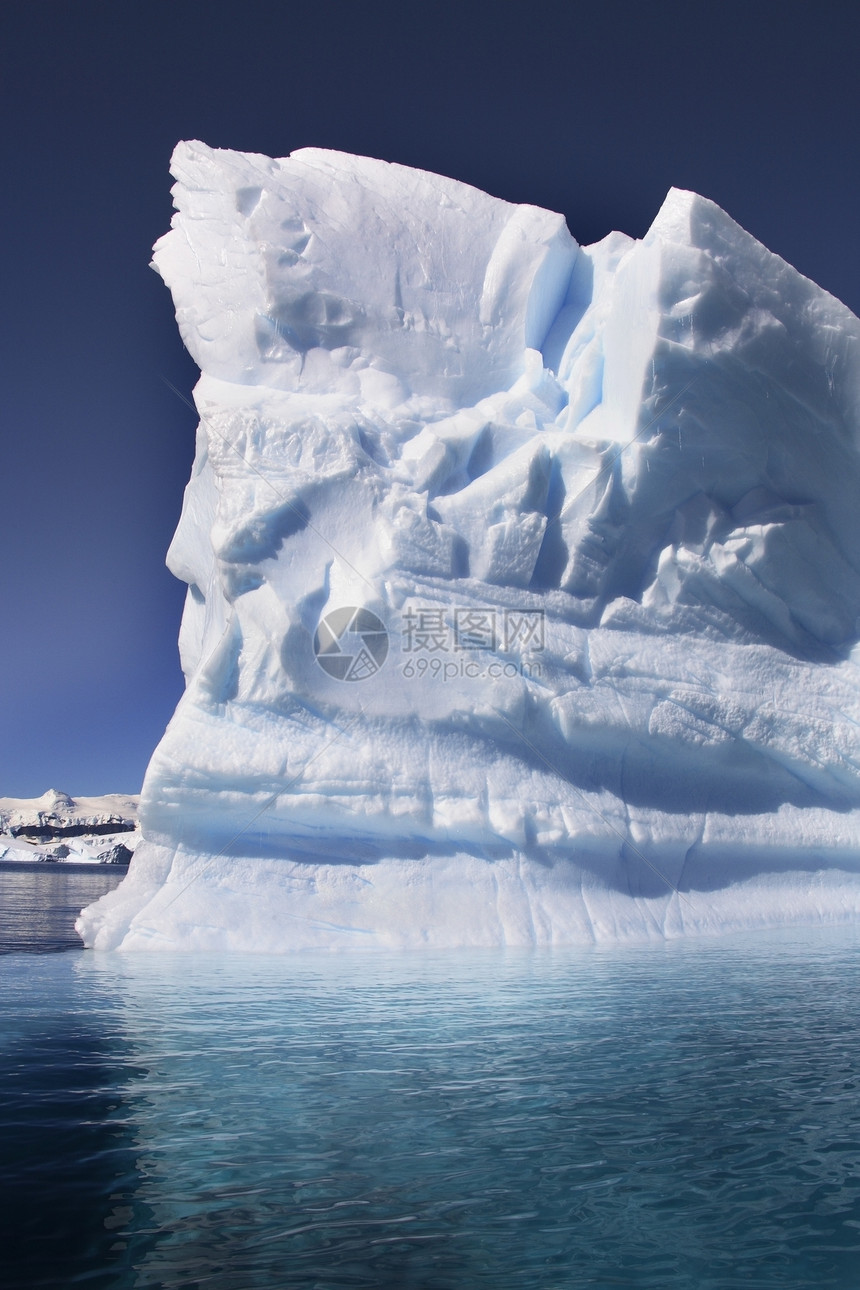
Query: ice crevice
{"x": 520, "y": 573}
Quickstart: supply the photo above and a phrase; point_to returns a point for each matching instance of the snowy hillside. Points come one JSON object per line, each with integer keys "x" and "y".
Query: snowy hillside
{"x": 83, "y": 830}
{"x": 524, "y": 578}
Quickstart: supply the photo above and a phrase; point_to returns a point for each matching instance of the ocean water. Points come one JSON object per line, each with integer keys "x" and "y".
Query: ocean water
{"x": 39, "y": 902}
{"x": 685, "y": 1115}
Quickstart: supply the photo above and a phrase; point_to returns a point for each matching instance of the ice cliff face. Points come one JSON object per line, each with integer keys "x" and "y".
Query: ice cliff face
{"x": 524, "y": 578}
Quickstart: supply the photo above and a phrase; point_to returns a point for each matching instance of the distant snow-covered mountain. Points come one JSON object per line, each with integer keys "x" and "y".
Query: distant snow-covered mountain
{"x": 83, "y": 830}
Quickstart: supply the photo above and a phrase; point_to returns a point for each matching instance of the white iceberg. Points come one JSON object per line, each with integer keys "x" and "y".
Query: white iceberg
{"x": 524, "y": 578}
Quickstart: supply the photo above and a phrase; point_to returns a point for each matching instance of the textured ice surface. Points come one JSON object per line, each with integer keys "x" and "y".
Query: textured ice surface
{"x": 599, "y": 509}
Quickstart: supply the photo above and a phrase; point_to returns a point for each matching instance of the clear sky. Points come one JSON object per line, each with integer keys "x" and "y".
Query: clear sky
{"x": 591, "y": 109}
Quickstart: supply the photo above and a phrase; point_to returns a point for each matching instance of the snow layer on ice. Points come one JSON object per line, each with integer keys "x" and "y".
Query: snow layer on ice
{"x": 524, "y": 578}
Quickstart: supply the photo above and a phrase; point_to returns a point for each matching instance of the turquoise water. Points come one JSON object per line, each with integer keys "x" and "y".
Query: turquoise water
{"x": 680, "y": 1116}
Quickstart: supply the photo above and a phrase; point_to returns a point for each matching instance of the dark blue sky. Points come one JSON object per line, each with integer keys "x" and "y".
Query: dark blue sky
{"x": 591, "y": 109}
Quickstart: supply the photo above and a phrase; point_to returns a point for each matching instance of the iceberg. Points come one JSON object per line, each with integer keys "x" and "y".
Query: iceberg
{"x": 523, "y": 577}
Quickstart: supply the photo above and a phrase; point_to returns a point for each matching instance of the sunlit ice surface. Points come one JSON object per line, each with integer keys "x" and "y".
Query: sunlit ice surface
{"x": 673, "y": 1115}
{"x": 522, "y": 576}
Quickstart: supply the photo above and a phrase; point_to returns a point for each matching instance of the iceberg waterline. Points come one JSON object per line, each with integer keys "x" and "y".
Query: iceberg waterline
{"x": 524, "y": 578}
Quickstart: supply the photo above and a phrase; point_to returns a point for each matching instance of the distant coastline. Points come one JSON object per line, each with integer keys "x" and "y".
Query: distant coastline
{"x": 56, "y": 831}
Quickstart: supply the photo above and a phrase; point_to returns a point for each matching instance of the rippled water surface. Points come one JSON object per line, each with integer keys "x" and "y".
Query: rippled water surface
{"x": 683, "y": 1116}
{"x": 40, "y": 902}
